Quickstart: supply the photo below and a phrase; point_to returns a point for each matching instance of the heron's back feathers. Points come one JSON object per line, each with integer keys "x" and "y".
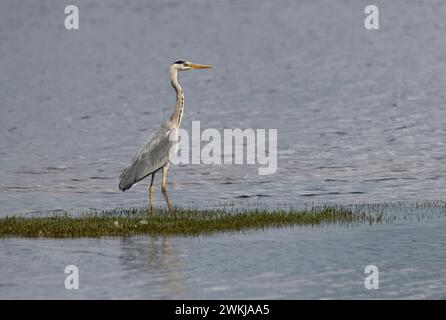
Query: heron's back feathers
{"x": 151, "y": 156}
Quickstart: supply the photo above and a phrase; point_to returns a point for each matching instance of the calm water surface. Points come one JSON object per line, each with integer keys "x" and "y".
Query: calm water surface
{"x": 292, "y": 263}
{"x": 361, "y": 117}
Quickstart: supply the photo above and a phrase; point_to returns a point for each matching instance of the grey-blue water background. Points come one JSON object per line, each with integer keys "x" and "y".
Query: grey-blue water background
{"x": 360, "y": 117}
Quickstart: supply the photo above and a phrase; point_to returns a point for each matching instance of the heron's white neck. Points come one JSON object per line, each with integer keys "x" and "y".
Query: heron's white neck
{"x": 177, "y": 115}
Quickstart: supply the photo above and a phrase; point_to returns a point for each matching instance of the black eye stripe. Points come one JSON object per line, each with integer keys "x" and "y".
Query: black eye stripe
{"x": 179, "y": 62}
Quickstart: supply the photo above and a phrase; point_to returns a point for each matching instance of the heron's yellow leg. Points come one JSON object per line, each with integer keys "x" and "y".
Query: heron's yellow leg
{"x": 151, "y": 190}
{"x": 163, "y": 188}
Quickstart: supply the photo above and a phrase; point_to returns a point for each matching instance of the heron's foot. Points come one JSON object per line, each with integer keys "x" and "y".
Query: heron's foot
{"x": 171, "y": 210}
{"x": 169, "y": 204}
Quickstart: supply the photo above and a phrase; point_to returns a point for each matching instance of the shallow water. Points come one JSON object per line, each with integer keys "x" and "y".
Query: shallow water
{"x": 290, "y": 263}
{"x": 360, "y": 115}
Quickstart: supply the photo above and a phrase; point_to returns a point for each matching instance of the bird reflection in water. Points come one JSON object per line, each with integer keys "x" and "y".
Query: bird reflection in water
{"x": 155, "y": 257}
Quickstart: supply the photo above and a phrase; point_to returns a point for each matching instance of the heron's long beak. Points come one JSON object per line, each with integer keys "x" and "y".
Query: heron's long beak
{"x": 199, "y": 66}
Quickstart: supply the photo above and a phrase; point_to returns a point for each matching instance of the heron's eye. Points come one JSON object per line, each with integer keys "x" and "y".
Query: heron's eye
{"x": 179, "y": 62}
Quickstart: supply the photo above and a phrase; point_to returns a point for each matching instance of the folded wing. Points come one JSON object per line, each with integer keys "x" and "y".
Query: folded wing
{"x": 151, "y": 156}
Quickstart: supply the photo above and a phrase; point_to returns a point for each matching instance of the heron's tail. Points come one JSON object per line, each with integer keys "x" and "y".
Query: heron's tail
{"x": 126, "y": 180}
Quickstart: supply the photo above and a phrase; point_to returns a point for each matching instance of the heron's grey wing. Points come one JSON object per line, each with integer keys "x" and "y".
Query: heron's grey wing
{"x": 151, "y": 156}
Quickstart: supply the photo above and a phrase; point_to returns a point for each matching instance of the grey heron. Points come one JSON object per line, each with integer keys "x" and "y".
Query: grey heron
{"x": 157, "y": 152}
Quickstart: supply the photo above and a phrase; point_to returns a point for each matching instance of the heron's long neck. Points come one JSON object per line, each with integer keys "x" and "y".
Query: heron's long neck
{"x": 177, "y": 115}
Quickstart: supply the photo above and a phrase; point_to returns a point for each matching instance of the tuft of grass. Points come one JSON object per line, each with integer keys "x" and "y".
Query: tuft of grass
{"x": 139, "y": 221}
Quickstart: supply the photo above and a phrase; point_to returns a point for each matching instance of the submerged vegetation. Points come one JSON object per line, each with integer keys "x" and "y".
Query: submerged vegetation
{"x": 139, "y": 221}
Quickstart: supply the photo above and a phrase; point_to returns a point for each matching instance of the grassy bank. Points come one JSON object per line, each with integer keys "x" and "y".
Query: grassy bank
{"x": 127, "y": 222}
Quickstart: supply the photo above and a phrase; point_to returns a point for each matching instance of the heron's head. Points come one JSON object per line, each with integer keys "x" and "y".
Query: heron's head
{"x": 182, "y": 65}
